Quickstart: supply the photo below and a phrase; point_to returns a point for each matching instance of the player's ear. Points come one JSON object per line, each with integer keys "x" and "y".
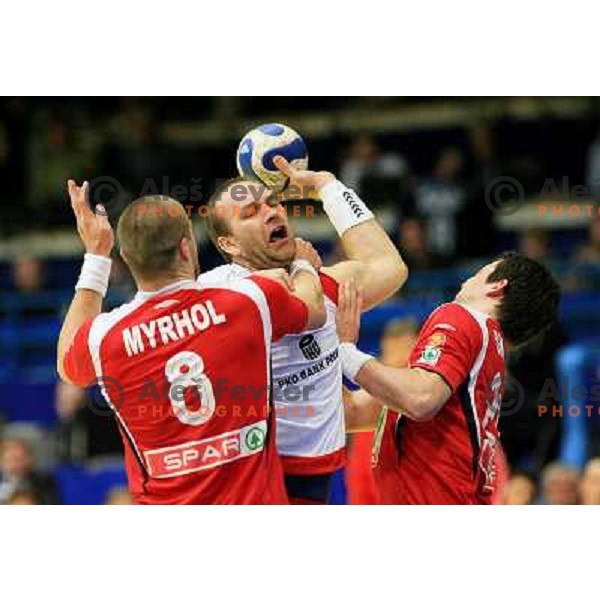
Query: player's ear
{"x": 123, "y": 256}
{"x": 185, "y": 249}
{"x": 228, "y": 245}
{"x": 496, "y": 289}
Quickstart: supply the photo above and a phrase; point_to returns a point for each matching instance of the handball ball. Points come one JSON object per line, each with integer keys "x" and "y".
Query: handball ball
{"x": 260, "y": 146}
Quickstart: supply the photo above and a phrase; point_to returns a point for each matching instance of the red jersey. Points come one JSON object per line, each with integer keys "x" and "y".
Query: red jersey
{"x": 359, "y": 474}
{"x": 187, "y": 373}
{"x": 451, "y": 458}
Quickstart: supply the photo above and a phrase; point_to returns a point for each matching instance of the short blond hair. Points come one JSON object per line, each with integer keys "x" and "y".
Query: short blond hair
{"x": 149, "y": 232}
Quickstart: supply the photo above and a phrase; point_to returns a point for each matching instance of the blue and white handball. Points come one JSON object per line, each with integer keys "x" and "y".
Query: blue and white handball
{"x": 260, "y": 146}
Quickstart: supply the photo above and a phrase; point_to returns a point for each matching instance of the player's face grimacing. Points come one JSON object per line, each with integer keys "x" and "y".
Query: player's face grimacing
{"x": 478, "y": 287}
{"x": 260, "y": 235}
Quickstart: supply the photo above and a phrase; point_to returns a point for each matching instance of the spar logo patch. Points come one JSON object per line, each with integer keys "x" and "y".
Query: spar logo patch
{"x": 433, "y": 350}
{"x": 255, "y": 438}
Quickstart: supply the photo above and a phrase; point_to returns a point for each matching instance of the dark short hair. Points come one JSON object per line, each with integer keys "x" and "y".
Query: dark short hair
{"x": 529, "y": 306}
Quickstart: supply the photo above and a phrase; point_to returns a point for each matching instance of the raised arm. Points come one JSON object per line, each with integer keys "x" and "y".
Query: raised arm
{"x": 98, "y": 239}
{"x": 373, "y": 260}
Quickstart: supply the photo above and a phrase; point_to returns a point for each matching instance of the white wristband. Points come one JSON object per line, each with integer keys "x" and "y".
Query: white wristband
{"x": 352, "y": 359}
{"x": 95, "y": 273}
{"x": 343, "y": 207}
{"x": 301, "y": 264}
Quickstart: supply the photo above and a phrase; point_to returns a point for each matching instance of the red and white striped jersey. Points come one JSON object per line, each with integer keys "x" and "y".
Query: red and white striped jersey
{"x": 187, "y": 373}
{"x": 307, "y": 384}
{"x": 450, "y": 459}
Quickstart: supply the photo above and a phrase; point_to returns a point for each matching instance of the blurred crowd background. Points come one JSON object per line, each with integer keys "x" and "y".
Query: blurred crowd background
{"x": 425, "y": 165}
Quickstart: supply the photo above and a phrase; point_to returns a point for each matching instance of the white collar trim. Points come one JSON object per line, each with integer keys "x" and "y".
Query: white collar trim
{"x": 185, "y": 284}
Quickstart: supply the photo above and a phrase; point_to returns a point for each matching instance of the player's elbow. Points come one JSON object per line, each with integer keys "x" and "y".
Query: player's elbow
{"x": 392, "y": 274}
{"x": 397, "y": 268}
{"x": 318, "y": 315}
{"x": 399, "y": 273}
{"x": 61, "y": 371}
{"x": 425, "y": 406}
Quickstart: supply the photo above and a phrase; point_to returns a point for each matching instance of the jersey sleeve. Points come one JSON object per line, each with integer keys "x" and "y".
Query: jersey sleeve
{"x": 330, "y": 287}
{"x": 288, "y": 313}
{"x": 77, "y": 362}
{"x": 448, "y": 345}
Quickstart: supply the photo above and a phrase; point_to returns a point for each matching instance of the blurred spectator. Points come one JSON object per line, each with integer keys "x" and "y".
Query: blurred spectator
{"x": 585, "y": 273}
{"x": 559, "y": 485}
{"x": 589, "y": 486}
{"x": 18, "y": 469}
{"x": 121, "y": 287}
{"x": 397, "y": 342}
{"x": 135, "y": 155}
{"x": 440, "y": 199}
{"x": 520, "y": 489}
{"x": 24, "y": 495}
{"x": 118, "y": 496}
{"x": 590, "y": 251}
{"x": 379, "y": 176}
{"x": 414, "y": 246}
{"x": 535, "y": 244}
{"x": 87, "y": 426}
{"x": 592, "y": 168}
{"x": 28, "y": 275}
{"x": 476, "y": 214}
{"x": 58, "y": 150}
{"x": 530, "y": 438}
{"x": 366, "y": 158}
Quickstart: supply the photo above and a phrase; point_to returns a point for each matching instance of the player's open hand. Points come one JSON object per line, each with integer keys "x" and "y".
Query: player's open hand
{"x": 306, "y": 251}
{"x": 279, "y": 275}
{"x": 93, "y": 227}
{"x": 308, "y": 183}
{"x": 348, "y": 311}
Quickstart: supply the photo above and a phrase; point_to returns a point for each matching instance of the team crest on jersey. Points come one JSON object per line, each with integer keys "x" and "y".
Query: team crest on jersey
{"x": 437, "y": 339}
{"x": 433, "y": 350}
{"x": 310, "y": 347}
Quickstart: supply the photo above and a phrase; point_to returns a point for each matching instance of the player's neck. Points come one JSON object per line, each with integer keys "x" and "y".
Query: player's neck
{"x": 240, "y": 262}
{"x": 486, "y": 306}
{"x": 153, "y": 285}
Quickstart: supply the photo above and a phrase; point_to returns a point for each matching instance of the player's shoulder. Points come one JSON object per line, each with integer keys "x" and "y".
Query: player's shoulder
{"x": 104, "y": 322}
{"x": 233, "y": 283}
{"x": 455, "y": 311}
{"x": 458, "y": 319}
{"x": 222, "y": 274}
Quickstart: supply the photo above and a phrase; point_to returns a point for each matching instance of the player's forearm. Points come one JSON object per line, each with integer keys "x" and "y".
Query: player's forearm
{"x": 373, "y": 259}
{"x": 307, "y": 287}
{"x": 409, "y": 391}
{"x": 85, "y": 305}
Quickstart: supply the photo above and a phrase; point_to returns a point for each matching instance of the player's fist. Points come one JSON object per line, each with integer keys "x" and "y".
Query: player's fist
{"x": 93, "y": 227}
{"x": 308, "y": 182}
{"x": 348, "y": 312}
{"x": 279, "y": 275}
{"x": 306, "y": 251}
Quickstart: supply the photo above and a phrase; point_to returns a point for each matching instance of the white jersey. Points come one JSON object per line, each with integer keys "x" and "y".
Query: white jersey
{"x": 307, "y": 387}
